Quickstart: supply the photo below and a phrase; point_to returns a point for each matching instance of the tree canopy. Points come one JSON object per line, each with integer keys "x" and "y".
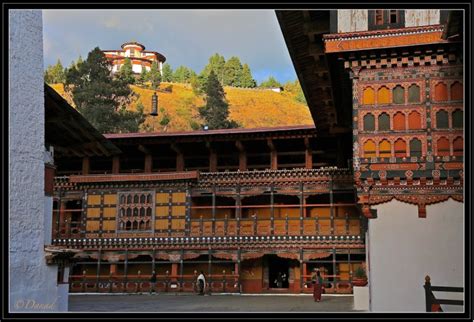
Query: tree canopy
{"x": 216, "y": 111}
{"x": 55, "y": 74}
{"x": 154, "y": 76}
{"x": 101, "y": 98}
{"x": 167, "y": 73}
{"x": 271, "y": 82}
{"x": 126, "y": 72}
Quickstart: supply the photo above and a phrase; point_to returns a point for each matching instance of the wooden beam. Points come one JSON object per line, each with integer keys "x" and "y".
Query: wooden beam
{"x": 308, "y": 154}
{"x": 240, "y": 146}
{"x": 242, "y": 156}
{"x": 148, "y": 163}
{"x": 85, "y": 165}
{"x": 179, "y": 157}
{"x": 144, "y": 149}
{"x": 273, "y": 155}
{"x": 116, "y": 164}
{"x": 212, "y": 161}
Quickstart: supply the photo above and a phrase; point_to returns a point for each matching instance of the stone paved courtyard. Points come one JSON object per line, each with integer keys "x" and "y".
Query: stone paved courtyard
{"x": 212, "y": 303}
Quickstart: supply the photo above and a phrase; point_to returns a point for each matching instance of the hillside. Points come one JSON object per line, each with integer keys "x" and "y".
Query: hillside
{"x": 250, "y": 107}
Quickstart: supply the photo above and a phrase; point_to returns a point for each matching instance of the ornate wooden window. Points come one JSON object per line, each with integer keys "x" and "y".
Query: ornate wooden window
{"x": 383, "y": 95}
{"x": 399, "y": 121}
{"x": 369, "y": 149}
{"x": 384, "y": 19}
{"x": 443, "y": 146}
{"x": 400, "y": 148}
{"x": 456, "y": 91}
{"x": 441, "y": 92}
{"x": 369, "y": 122}
{"x": 414, "y": 94}
{"x": 384, "y": 122}
{"x": 442, "y": 120}
{"x": 385, "y": 149}
{"x": 414, "y": 121}
{"x": 458, "y": 146}
{"x": 368, "y": 96}
{"x": 415, "y": 148}
{"x": 379, "y": 17}
{"x": 457, "y": 119}
{"x": 398, "y": 94}
{"x": 393, "y": 18}
{"x": 135, "y": 211}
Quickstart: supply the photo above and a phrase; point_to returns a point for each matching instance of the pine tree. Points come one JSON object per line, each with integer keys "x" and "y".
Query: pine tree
{"x": 246, "y": 79}
{"x": 216, "y": 64}
{"x": 295, "y": 89}
{"x": 271, "y": 82}
{"x": 216, "y": 111}
{"x": 154, "y": 76}
{"x": 55, "y": 74}
{"x": 167, "y": 73}
{"x": 143, "y": 76}
{"x": 100, "y": 98}
{"x": 126, "y": 72}
{"x": 233, "y": 72}
{"x": 182, "y": 74}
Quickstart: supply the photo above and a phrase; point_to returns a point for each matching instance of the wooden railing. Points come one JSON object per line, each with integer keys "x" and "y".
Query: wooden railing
{"x": 432, "y": 303}
{"x": 332, "y": 284}
{"x": 225, "y": 283}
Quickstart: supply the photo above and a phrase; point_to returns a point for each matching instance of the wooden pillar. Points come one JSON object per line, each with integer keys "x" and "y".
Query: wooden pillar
{"x": 179, "y": 162}
{"x": 301, "y": 209}
{"x": 116, "y": 164}
{"x": 85, "y": 165}
{"x": 242, "y": 156}
{"x": 125, "y": 268}
{"x": 302, "y": 271}
{"x": 212, "y": 161}
{"x": 213, "y": 210}
{"x": 62, "y": 209}
{"x": 174, "y": 271}
{"x": 148, "y": 163}
{"x": 308, "y": 154}
{"x": 273, "y": 155}
{"x": 153, "y": 260}
{"x": 209, "y": 276}
{"x": 179, "y": 157}
{"x": 113, "y": 269}
{"x": 272, "y": 210}
{"x": 305, "y": 272}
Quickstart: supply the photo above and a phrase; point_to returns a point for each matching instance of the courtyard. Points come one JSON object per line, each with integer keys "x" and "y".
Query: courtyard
{"x": 209, "y": 303}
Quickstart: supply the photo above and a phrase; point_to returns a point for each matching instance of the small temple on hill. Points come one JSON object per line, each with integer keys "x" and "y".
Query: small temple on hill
{"x": 139, "y": 57}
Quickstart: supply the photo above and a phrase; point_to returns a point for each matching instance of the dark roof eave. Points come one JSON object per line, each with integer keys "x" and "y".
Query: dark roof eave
{"x": 57, "y": 106}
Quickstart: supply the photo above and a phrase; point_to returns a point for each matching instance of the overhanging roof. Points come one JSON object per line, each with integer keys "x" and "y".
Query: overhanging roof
{"x": 69, "y": 132}
{"x": 303, "y": 32}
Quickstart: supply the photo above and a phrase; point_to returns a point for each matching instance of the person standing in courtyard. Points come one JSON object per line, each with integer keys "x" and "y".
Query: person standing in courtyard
{"x": 279, "y": 280}
{"x": 153, "y": 282}
{"x": 201, "y": 283}
{"x": 317, "y": 282}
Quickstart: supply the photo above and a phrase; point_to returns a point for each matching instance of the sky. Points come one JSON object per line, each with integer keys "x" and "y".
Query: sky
{"x": 184, "y": 37}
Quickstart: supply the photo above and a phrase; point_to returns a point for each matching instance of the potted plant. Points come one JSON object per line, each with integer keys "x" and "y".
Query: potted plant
{"x": 359, "y": 278}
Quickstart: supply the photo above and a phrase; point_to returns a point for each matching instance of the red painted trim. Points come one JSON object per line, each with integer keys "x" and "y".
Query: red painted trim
{"x": 135, "y": 177}
{"x": 209, "y": 132}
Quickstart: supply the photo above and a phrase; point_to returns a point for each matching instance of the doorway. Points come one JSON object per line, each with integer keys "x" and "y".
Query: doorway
{"x": 278, "y": 272}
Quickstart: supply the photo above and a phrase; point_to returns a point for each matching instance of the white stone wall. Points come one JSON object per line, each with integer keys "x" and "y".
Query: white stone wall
{"x": 33, "y": 286}
{"x": 352, "y": 20}
{"x": 416, "y": 18}
{"x": 137, "y": 68}
{"x": 404, "y": 248}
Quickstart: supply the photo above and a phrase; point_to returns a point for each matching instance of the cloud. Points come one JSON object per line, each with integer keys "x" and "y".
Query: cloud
{"x": 185, "y": 37}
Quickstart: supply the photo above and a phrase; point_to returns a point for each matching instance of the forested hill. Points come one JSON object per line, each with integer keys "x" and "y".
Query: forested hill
{"x": 251, "y": 108}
